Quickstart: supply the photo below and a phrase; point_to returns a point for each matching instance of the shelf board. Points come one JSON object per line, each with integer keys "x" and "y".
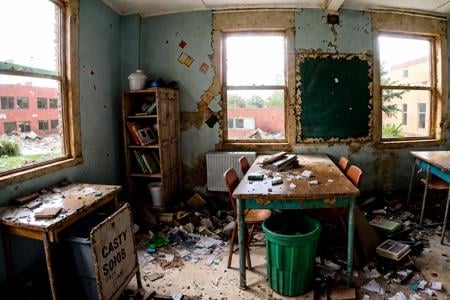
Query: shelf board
{"x": 155, "y": 146}
{"x": 143, "y": 117}
{"x": 156, "y": 175}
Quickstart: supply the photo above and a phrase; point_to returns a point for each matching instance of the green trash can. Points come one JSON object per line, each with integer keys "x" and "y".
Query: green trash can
{"x": 291, "y": 244}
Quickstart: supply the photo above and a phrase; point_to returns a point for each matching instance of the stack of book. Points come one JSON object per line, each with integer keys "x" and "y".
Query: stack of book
{"x": 148, "y": 162}
{"x": 141, "y": 135}
{"x": 280, "y": 161}
{"x": 393, "y": 250}
{"x": 147, "y": 108}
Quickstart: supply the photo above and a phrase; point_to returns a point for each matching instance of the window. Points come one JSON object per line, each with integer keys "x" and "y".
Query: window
{"x": 422, "y": 109}
{"x": 53, "y": 103}
{"x": 401, "y": 86}
{"x": 417, "y": 44}
{"x": 24, "y": 126}
{"x": 405, "y": 73}
{"x": 23, "y": 103}
{"x": 43, "y": 125}
{"x": 34, "y": 74}
{"x": 7, "y": 102}
{"x": 54, "y": 124}
{"x": 254, "y": 86}
{"x": 405, "y": 114}
{"x": 9, "y": 127}
{"x": 42, "y": 103}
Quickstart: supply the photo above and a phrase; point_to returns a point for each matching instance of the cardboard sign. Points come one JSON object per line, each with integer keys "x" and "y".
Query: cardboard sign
{"x": 114, "y": 253}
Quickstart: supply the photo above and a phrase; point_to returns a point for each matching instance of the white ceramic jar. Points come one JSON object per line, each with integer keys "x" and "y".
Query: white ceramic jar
{"x": 137, "y": 80}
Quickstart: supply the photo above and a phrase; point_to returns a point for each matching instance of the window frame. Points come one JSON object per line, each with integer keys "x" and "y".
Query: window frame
{"x": 283, "y": 88}
{"x": 41, "y": 123}
{"x": 427, "y": 26}
{"x": 41, "y": 100}
{"x": 408, "y": 88}
{"x": 70, "y": 98}
{"x": 405, "y": 114}
{"x": 9, "y": 100}
{"x": 22, "y": 100}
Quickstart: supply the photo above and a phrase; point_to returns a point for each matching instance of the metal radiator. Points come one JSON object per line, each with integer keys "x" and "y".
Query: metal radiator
{"x": 218, "y": 162}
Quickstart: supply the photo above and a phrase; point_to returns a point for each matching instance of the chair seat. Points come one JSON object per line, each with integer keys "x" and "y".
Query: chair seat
{"x": 435, "y": 184}
{"x": 257, "y": 215}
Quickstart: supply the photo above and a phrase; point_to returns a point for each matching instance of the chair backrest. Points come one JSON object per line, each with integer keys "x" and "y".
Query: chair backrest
{"x": 343, "y": 163}
{"x": 244, "y": 164}
{"x": 232, "y": 181}
{"x": 354, "y": 174}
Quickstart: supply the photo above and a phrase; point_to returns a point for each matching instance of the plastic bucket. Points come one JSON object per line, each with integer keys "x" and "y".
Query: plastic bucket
{"x": 155, "y": 192}
{"x": 291, "y": 244}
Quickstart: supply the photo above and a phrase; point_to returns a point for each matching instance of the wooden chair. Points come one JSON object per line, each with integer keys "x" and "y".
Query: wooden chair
{"x": 343, "y": 164}
{"x": 252, "y": 216}
{"x": 354, "y": 174}
{"x": 243, "y": 162}
{"x": 434, "y": 184}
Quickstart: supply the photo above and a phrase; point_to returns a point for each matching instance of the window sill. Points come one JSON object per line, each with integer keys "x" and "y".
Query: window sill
{"x": 38, "y": 171}
{"x": 258, "y": 147}
{"x": 412, "y": 144}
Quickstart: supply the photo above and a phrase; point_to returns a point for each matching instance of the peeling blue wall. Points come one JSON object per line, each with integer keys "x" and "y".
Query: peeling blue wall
{"x": 353, "y": 34}
{"x": 99, "y": 49}
{"x": 161, "y": 36}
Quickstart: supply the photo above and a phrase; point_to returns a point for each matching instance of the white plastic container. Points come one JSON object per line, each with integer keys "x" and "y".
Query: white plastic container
{"x": 155, "y": 192}
{"x": 137, "y": 80}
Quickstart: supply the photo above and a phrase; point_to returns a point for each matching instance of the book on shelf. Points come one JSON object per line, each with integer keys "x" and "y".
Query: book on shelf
{"x": 148, "y": 108}
{"x": 150, "y": 162}
{"x": 146, "y": 136}
{"x": 133, "y": 132}
{"x": 147, "y": 162}
{"x": 140, "y": 162}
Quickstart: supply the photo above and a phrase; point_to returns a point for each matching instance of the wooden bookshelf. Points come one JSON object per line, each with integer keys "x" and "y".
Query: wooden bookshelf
{"x": 140, "y": 158}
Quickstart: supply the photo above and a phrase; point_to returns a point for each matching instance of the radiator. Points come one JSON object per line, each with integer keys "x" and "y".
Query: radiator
{"x": 218, "y": 162}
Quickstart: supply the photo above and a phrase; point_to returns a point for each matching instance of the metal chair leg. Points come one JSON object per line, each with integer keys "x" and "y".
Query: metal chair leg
{"x": 445, "y": 218}
{"x": 425, "y": 194}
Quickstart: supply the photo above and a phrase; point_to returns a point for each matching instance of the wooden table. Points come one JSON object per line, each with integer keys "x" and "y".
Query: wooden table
{"x": 438, "y": 164}
{"x": 333, "y": 190}
{"x": 76, "y": 201}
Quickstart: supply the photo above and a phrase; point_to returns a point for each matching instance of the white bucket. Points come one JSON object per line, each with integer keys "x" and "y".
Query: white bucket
{"x": 137, "y": 80}
{"x": 155, "y": 192}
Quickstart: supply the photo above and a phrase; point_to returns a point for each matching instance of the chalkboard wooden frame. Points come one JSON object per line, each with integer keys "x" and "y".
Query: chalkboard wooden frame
{"x": 334, "y": 97}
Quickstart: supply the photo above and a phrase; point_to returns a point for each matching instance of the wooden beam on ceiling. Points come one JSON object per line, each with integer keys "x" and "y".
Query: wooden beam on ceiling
{"x": 333, "y": 5}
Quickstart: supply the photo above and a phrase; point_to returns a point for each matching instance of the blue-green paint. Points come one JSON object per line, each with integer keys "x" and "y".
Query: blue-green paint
{"x": 352, "y": 35}
{"x": 99, "y": 49}
{"x": 130, "y": 28}
{"x": 160, "y": 51}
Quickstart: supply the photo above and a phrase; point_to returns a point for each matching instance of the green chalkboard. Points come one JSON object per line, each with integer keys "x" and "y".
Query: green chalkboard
{"x": 335, "y": 99}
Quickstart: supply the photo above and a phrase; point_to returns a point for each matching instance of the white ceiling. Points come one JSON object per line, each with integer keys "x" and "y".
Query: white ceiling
{"x": 160, "y": 7}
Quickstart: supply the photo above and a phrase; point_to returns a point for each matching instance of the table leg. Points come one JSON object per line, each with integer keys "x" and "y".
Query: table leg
{"x": 241, "y": 238}
{"x": 7, "y": 248}
{"x": 425, "y": 192}
{"x": 445, "y": 218}
{"x": 48, "y": 259}
{"x": 351, "y": 233}
{"x": 413, "y": 174}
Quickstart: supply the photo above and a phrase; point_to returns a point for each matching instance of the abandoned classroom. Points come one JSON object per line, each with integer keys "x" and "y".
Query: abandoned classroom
{"x": 217, "y": 149}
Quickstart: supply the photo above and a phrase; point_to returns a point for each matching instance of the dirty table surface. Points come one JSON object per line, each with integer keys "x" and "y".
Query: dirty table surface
{"x": 440, "y": 159}
{"x": 75, "y": 200}
{"x": 332, "y": 182}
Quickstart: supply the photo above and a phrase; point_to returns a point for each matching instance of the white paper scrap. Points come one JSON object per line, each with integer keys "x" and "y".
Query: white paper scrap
{"x": 373, "y": 286}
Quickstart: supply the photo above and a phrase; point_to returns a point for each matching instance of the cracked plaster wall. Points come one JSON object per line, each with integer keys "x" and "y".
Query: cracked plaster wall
{"x": 353, "y": 34}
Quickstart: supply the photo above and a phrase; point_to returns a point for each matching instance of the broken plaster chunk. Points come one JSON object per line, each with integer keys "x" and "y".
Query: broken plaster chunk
{"x": 373, "y": 286}
{"x": 306, "y": 173}
{"x": 277, "y": 180}
{"x": 436, "y": 285}
{"x": 313, "y": 182}
{"x": 292, "y": 186}
{"x": 422, "y": 284}
{"x": 398, "y": 296}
